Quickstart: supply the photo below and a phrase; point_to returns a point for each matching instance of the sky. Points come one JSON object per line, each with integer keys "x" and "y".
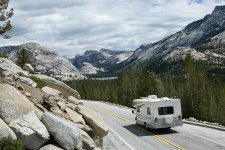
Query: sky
{"x": 71, "y": 27}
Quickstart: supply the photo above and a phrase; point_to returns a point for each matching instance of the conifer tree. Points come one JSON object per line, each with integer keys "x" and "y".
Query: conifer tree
{"x": 5, "y": 15}
{"x": 23, "y": 57}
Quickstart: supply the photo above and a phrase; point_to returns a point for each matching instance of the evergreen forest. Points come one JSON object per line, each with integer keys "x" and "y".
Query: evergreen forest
{"x": 202, "y": 96}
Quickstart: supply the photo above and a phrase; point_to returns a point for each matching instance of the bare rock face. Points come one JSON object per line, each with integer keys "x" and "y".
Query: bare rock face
{"x": 93, "y": 61}
{"x": 50, "y": 147}
{"x": 13, "y": 104}
{"x": 94, "y": 120}
{"x": 28, "y": 81}
{"x": 10, "y": 67}
{"x": 5, "y": 131}
{"x": 29, "y": 68}
{"x": 65, "y": 89}
{"x": 75, "y": 117}
{"x": 30, "y": 130}
{"x": 73, "y": 100}
{"x": 46, "y": 61}
{"x": 51, "y": 91}
{"x": 65, "y": 133}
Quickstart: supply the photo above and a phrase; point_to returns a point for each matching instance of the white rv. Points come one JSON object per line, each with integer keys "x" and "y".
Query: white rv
{"x": 155, "y": 113}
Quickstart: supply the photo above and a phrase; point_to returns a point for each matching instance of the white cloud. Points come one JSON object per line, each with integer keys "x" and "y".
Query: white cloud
{"x": 70, "y": 27}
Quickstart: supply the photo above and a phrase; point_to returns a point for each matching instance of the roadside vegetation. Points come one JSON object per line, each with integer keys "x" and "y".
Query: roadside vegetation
{"x": 202, "y": 97}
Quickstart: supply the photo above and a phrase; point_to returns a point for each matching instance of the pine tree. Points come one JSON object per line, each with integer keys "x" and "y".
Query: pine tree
{"x": 22, "y": 57}
{"x": 5, "y": 15}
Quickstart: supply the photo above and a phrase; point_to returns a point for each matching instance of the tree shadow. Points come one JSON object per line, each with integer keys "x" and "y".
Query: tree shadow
{"x": 141, "y": 131}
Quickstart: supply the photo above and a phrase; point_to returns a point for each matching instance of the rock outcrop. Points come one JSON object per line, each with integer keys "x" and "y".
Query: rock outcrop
{"x": 202, "y": 39}
{"x": 13, "y": 104}
{"x": 93, "y": 61}
{"x": 29, "y": 68}
{"x": 94, "y": 120}
{"x": 10, "y": 68}
{"x": 22, "y": 106}
{"x": 62, "y": 87}
{"x": 5, "y": 131}
{"x": 51, "y": 91}
{"x": 66, "y": 134}
{"x": 30, "y": 130}
{"x": 28, "y": 81}
{"x": 45, "y": 61}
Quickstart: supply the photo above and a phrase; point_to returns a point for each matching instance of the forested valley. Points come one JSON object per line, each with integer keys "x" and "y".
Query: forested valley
{"x": 202, "y": 95}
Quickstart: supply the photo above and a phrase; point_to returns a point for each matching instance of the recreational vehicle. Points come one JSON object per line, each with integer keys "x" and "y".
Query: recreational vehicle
{"x": 155, "y": 113}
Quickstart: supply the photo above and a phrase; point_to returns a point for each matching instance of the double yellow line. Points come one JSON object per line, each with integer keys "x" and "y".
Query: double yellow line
{"x": 133, "y": 123}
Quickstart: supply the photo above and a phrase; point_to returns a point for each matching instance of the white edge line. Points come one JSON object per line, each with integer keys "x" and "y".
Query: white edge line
{"x": 210, "y": 140}
{"x": 125, "y": 142}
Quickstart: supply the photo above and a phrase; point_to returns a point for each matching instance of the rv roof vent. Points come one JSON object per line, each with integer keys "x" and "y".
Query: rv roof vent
{"x": 164, "y": 98}
{"x": 152, "y": 96}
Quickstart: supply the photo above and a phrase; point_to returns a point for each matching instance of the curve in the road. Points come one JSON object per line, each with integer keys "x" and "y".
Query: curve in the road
{"x": 130, "y": 122}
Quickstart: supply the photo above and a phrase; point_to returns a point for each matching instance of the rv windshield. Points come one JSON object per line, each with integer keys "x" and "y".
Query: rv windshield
{"x": 165, "y": 110}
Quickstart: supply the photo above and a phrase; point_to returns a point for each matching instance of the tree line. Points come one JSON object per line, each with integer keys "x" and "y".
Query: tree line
{"x": 202, "y": 97}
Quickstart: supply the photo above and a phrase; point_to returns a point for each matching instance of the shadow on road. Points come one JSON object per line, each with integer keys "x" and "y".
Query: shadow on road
{"x": 141, "y": 131}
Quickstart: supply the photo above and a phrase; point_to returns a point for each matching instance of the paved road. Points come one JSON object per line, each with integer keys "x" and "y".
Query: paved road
{"x": 188, "y": 137}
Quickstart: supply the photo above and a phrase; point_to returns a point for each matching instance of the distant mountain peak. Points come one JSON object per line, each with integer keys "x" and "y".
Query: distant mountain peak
{"x": 219, "y": 9}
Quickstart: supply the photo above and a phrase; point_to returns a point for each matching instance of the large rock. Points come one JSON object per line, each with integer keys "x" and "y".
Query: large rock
{"x": 53, "y": 83}
{"x": 13, "y": 104}
{"x": 29, "y": 68}
{"x": 94, "y": 120}
{"x": 65, "y": 133}
{"x": 50, "y": 147}
{"x": 61, "y": 105}
{"x": 75, "y": 117}
{"x": 28, "y": 81}
{"x": 30, "y": 130}
{"x": 10, "y": 68}
{"x": 73, "y": 100}
{"x": 52, "y": 91}
{"x": 5, "y": 131}
{"x": 88, "y": 142}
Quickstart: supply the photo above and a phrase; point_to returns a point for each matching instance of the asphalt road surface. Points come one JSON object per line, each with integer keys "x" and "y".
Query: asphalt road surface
{"x": 125, "y": 135}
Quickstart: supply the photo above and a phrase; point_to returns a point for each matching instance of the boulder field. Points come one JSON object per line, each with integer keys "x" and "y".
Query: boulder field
{"x": 45, "y": 118}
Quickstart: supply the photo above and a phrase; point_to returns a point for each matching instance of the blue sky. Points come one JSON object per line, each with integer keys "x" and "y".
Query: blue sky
{"x": 70, "y": 27}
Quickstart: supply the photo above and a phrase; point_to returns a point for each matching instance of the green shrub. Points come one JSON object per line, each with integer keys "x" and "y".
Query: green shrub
{"x": 40, "y": 83}
{"x": 7, "y": 143}
{"x": 3, "y": 55}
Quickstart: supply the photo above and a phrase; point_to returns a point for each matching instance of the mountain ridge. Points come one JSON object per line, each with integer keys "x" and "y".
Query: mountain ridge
{"x": 45, "y": 61}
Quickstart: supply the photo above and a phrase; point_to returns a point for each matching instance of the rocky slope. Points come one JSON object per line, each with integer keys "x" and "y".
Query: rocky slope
{"x": 92, "y": 61}
{"x": 45, "y": 61}
{"x": 203, "y": 39}
{"x": 52, "y": 118}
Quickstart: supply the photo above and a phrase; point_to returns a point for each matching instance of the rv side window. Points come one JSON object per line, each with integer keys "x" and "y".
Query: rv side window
{"x": 138, "y": 109}
{"x": 148, "y": 111}
{"x": 165, "y": 110}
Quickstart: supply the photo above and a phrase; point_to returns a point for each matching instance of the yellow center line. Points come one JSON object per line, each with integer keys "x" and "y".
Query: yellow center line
{"x": 133, "y": 123}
